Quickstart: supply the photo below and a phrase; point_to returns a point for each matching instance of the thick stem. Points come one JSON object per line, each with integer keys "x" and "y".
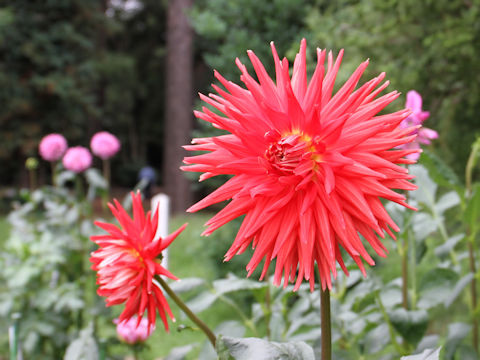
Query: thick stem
{"x": 209, "y": 333}
{"x": 473, "y": 294}
{"x": 326, "y": 326}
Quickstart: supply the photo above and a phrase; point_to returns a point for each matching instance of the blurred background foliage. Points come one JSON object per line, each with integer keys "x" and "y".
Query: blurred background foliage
{"x": 77, "y": 67}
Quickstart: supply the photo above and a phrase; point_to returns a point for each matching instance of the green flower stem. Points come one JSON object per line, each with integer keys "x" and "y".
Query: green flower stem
{"x": 471, "y": 250}
{"x": 326, "y": 324}
{"x": 248, "y": 322}
{"x": 473, "y": 294}
{"x": 391, "y": 330}
{"x": 404, "y": 254}
{"x": 209, "y": 333}
{"x": 413, "y": 269}
{"x": 268, "y": 306}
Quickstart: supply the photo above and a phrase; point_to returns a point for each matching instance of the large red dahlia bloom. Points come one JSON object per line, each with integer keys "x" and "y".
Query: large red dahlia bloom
{"x": 127, "y": 261}
{"x": 309, "y": 168}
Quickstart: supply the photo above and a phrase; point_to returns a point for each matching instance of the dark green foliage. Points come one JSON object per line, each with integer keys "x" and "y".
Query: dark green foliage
{"x": 430, "y": 46}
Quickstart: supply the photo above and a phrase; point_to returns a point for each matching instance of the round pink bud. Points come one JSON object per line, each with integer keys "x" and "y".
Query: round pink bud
{"x": 131, "y": 331}
{"x": 52, "y": 147}
{"x": 104, "y": 145}
{"x": 77, "y": 159}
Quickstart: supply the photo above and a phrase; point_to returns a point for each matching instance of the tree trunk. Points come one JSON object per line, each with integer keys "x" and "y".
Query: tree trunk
{"x": 179, "y": 91}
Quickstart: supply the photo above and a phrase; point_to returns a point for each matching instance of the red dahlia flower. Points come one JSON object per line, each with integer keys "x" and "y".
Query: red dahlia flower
{"x": 308, "y": 168}
{"x": 127, "y": 261}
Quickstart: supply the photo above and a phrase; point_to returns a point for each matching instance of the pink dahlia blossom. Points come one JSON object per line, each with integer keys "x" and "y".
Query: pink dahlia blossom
{"x": 128, "y": 260}
{"x": 77, "y": 159}
{"x": 134, "y": 330}
{"x": 309, "y": 167}
{"x": 104, "y": 145}
{"x": 52, "y": 147}
{"x": 417, "y": 117}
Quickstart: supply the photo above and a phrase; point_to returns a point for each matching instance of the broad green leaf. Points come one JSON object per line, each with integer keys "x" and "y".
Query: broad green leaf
{"x": 428, "y": 354}
{"x": 423, "y": 225}
{"x": 427, "y": 188}
{"x": 456, "y": 333}
{"x": 377, "y": 339}
{"x": 95, "y": 178}
{"x": 186, "y": 284}
{"x": 221, "y": 287}
{"x": 64, "y": 177}
{"x": 179, "y": 353}
{"x": 410, "y": 324}
{"x": 461, "y": 284}
{"x": 227, "y": 328}
{"x": 440, "y": 172}
{"x": 259, "y": 349}
{"x": 447, "y": 201}
{"x": 436, "y": 287}
{"x": 83, "y": 348}
{"x": 233, "y": 283}
{"x": 448, "y": 245}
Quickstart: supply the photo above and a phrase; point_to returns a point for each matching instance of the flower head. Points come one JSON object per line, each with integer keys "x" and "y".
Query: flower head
{"x": 104, "y": 145}
{"x": 309, "y": 168}
{"x": 52, "y": 147}
{"x": 128, "y": 260}
{"x": 133, "y": 331}
{"x": 77, "y": 159}
{"x": 417, "y": 117}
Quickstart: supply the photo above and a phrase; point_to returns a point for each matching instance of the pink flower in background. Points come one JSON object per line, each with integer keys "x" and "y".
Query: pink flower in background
{"x": 104, "y": 145}
{"x": 77, "y": 159}
{"x": 417, "y": 117}
{"x": 132, "y": 330}
{"x": 52, "y": 147}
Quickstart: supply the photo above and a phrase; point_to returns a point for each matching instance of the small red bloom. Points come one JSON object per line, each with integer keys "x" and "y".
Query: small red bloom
{"x": 309, "y": 167}
{"x": 127, "y": 261}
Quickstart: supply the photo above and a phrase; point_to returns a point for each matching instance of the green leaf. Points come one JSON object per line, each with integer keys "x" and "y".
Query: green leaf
{"x": 427, "y": 188}
{"x": 377, "y": 339}
{"x": 456, "y": 333}
{"x": 436, "y": 287}
{"x": 447, "y": 201}
{"x": 83, "y": 348}
{"x": 461, "y": 284}
{"x": 259, "y": 349}
{"x": 428, "y": 354}
{"x": 448, "y": 245}
{"x": 441, "y": 173}
{"x": 180, "y": 352}
{"x": 410, "y": 324}
{"x": 186, "y": 284}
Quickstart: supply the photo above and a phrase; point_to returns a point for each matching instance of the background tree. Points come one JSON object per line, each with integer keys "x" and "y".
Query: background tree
{"x": 179, "y": 91}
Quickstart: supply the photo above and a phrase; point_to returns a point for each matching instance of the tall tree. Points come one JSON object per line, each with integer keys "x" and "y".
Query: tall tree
{"x": 178, "y": 114}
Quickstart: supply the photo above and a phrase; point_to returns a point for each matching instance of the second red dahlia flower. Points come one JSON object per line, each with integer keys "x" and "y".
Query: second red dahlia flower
{"x": 309, "y": 167}
{"x": 127, "y": 261}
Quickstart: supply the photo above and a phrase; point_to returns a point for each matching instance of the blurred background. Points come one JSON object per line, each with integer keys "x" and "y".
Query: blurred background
{"x": 134, "y": 67}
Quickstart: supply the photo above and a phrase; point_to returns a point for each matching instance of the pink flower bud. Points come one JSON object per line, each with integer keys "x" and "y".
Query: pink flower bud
{"x": 52, "y": 147}
{"x": 104, "y": 145}
{"x": 131, "y": 331}
{"x": 77, "y": 159}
